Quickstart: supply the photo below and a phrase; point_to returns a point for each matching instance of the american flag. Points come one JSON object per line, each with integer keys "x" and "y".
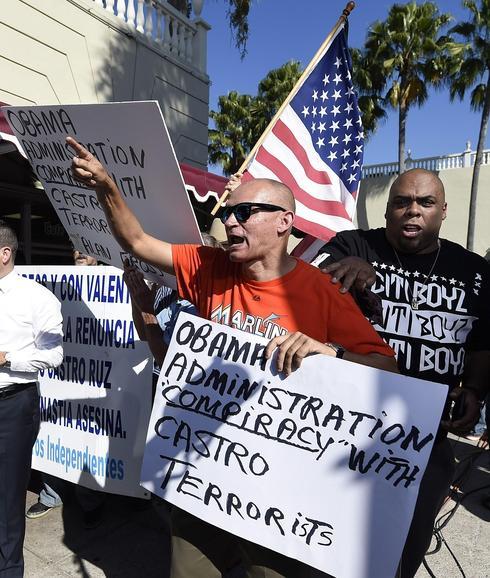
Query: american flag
{"x": 316, "y": 145}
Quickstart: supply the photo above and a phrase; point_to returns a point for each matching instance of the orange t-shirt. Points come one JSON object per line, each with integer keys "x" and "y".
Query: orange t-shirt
{"x": 303, "y": 300}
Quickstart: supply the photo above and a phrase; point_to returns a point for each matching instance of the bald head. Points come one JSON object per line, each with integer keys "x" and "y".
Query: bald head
{"x": 418, "y": 179}
{"x": 264, "y": 191}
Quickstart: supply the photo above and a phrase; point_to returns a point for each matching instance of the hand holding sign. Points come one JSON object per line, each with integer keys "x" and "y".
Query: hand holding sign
{"x": 293, "y": 348}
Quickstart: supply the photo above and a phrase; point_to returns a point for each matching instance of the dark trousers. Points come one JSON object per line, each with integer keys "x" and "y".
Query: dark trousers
{"x": 433, "y": 489}
{"x": 19, "y": 425}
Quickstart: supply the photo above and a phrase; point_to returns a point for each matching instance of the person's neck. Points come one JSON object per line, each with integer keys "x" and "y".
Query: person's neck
{"x": 6, "y": 271}
{"x": 430, "y": 248}
{"x": 269, "y": 268}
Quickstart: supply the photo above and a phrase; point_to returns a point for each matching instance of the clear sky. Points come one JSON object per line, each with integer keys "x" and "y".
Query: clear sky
{"x": 282, "y": 30}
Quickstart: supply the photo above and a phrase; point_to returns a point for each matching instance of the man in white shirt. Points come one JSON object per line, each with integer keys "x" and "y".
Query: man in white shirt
{"x": 31, "y": 338}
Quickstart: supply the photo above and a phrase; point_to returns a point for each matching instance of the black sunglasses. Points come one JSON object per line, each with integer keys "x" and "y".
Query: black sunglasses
{"x": 242, "y": 211}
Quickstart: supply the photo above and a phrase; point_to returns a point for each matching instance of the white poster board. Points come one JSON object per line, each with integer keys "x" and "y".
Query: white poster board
{"x": 323, "y": 466}
{"x": 95, "y": 407}
{"x": 132, "y": 141}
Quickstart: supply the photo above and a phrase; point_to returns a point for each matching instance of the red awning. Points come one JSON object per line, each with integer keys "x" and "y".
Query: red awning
{"x": 4, "y": 125}
{"x": 201, "y": 184}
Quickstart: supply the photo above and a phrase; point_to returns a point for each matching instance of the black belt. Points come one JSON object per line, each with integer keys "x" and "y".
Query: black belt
{"x": 10, "y": 390}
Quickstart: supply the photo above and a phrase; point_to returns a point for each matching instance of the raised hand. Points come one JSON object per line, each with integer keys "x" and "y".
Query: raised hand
{"x": 86, "y": 168}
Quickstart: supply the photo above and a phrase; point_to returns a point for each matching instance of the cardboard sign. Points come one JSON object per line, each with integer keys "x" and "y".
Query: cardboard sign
{"x": 323, "y": 466}
{"x": 96, "y": 405}
{"x": 131, "y": 140}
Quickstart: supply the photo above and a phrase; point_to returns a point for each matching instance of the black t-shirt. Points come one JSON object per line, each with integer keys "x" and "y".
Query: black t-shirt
{"x": 452, "y": 314}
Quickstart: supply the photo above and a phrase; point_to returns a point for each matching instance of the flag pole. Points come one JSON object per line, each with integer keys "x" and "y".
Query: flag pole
{"x": 345, "y": 14}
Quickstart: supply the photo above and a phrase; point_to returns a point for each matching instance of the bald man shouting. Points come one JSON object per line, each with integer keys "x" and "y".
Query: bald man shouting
{"x": 255, "y": 286}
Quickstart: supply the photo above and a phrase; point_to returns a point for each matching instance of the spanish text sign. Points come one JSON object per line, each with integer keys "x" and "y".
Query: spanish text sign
{"x": 323, "y": 466}
{"x": 95, "y": 406}
{"x": 131, "y": 140}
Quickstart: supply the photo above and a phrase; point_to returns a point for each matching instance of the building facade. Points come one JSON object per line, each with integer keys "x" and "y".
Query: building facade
{"x": 93, "y": 51}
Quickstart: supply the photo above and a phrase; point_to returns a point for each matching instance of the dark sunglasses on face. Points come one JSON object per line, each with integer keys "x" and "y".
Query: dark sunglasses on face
{"x": 242, "y": 211}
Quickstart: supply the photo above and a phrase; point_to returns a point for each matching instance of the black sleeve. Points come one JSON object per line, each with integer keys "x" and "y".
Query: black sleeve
{"x": 342, "y": 245}
{"x": 479, "y": 337}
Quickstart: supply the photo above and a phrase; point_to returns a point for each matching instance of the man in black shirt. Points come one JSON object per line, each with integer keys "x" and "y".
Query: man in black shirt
{"x": 435, "y": 315}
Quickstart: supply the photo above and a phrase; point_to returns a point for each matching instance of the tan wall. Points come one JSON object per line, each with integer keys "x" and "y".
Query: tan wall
{"x": 73, "y": 51}
{"x": 457, "y": 182}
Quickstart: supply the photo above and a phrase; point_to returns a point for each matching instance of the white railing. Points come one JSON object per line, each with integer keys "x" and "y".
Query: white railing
{"x": 442, "y": 163}
{"x": 161, "y": 24}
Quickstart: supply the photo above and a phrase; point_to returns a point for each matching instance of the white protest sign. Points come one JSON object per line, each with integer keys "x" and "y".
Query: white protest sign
{"x": 96, "y": 405}
{"x": 131, "y": 140}
{"x": 323, "y": 466}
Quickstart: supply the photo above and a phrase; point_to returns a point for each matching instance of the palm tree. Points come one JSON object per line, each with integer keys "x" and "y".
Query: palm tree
{"x": 231, "y": 139}
{"x": 368, "y": 79}
{"x": 238, "y": 18}
{"x": 272, "y": 91}
{"x": 475, "y": 72}
{"x": 413, "y": 54}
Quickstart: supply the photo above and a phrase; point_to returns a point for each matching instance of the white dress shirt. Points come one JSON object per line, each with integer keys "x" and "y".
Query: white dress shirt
{"x": 31, "y": 331}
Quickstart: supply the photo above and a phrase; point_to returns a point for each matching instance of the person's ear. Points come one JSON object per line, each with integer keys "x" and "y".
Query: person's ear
{"x": 444, "y": 211}
{"x": 6, "y": 253}
{"x": 286, "y": 221}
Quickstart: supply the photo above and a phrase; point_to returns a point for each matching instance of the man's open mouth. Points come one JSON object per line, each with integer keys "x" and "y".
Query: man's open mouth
{"x": 411, "y": 230}
{"x": 235, "y": 240}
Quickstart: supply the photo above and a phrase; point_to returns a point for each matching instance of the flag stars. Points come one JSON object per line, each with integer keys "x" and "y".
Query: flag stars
{"x": 374, "y": 263}
{"x": 406, "y": 273}
{"x": 315, "y": 95}
{"x": 477, "y": 284}
{"x": 326, "y": 79}
{"x": 393, "y": 268}
{"x": 433, "y": 278}
{"x": 461, "y": 284}
{"x": 313, "y": 112}
{"x": 359, "y": 121}
{"x": 383, "y": 266}
{"x": 343, "y": 168}
{"x": 335, "y": 125}
{"x": 313, "y": 127}
{"x": 324, "y": 95}
{"x": 334, "y": 140}
{"x": 355, "y": 165}
{"x": 337, "y": 79}
{"x": 321, "y": 127}
{"x": 335, "y": 110}
{"x": 351, "y": 179}
{"x": 320, "y": 143}
{"x": 400, "y": 271}
{"x": 358, "y": 150}
{"x": 360, "y": 135}
{"x": 476, "y": 291}
{"x": 347, "y": 138}
{"x": 337, "y": 63}
{"x": 478, "y": 277}
{"x": 416, "y": 274}
{"x": 332, "y": 156}
{"x": 345, "y": 154}
{"x": 347, "y": 123}
{"x": 348, "y": 108}
{"x": 323, "y": 111}
{"x": 306, "y": 111}
{"x": 336, "y": 95}
{"x": 350, "y": 91}
{"x": 452, "y": 281}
